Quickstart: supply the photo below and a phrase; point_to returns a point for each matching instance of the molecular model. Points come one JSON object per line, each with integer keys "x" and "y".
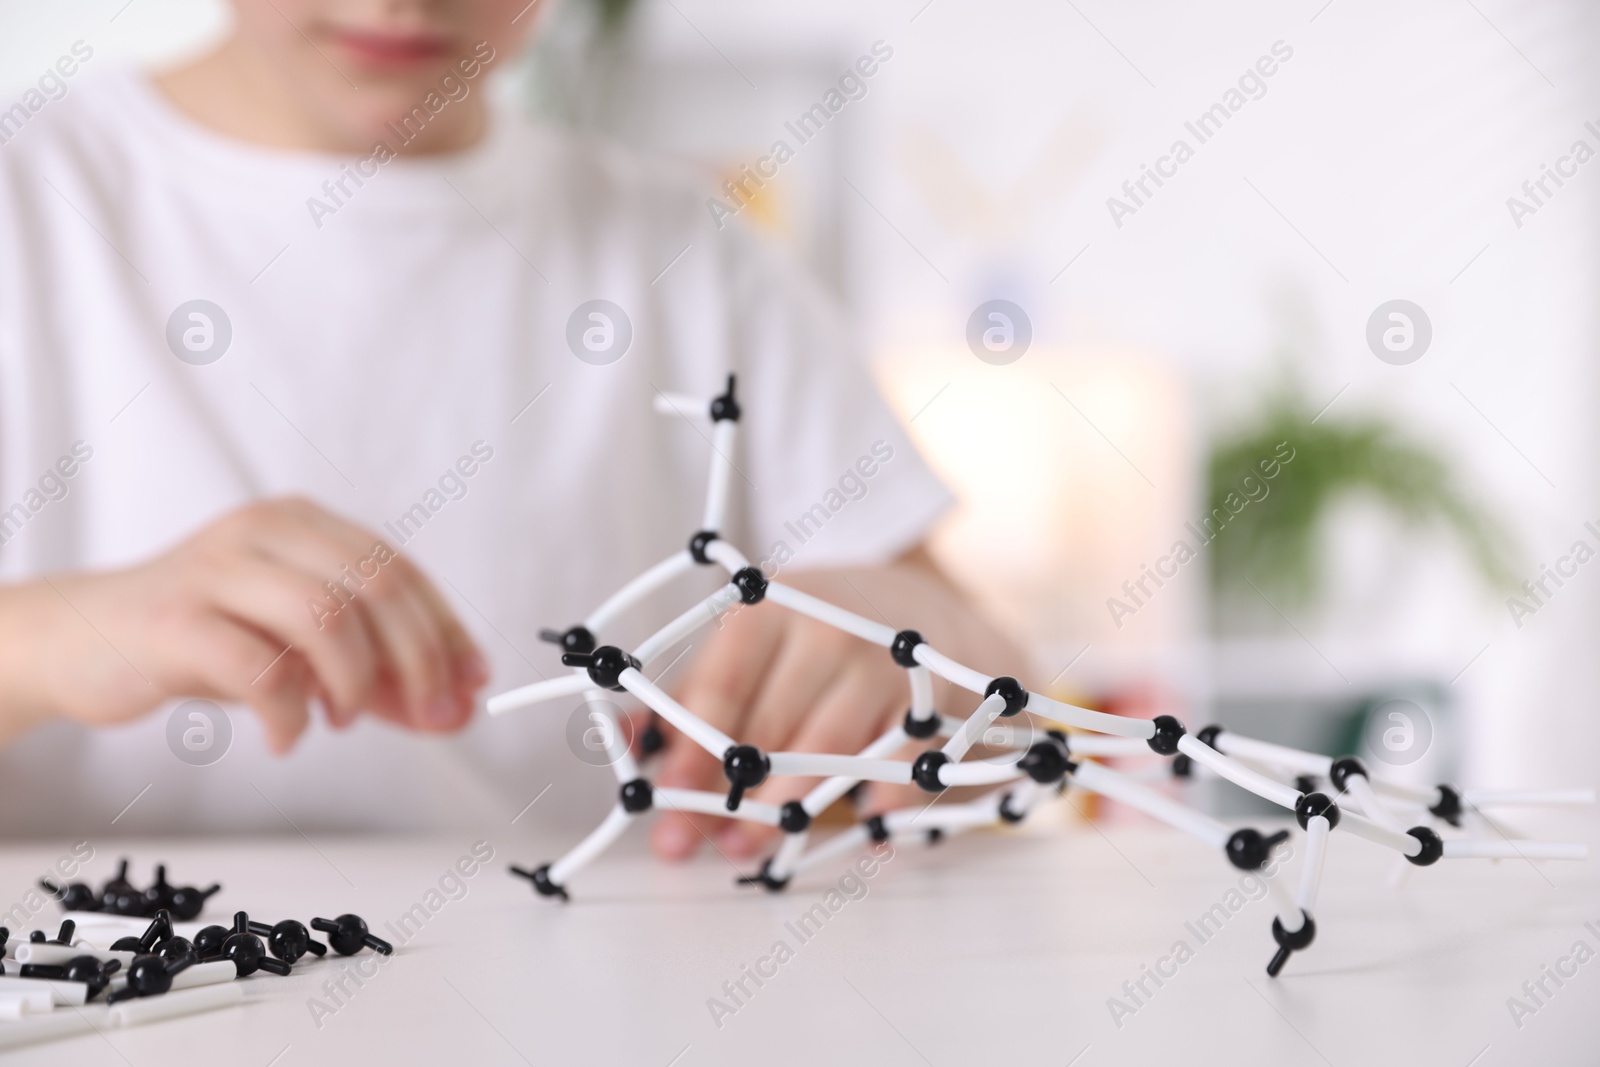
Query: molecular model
{"x": 1381, "y": 812}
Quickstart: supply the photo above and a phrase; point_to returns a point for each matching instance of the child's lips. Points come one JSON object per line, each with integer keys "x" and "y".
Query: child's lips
{"x": 392, "y": 50}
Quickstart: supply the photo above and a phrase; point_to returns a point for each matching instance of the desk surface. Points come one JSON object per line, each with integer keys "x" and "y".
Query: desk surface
{"x": 996, "y": 948}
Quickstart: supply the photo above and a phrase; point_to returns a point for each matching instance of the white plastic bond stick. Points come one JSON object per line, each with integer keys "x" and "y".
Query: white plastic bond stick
{"x": 788, "y": 855}
{"x": 61, "y": 991}
{"x": 820, "y": 798}
{"x": 172, "y": 1005}
{"x": 681, "y": 404}
{"x": 840, "y": 843}
{"x": 1490, "y": 798}
{"x": 549, "y": 689}
{"x": 1098, "y": 721}
{"x": 599, "y": 839}
{"x": 1404, "y": 844}
{"x": 985, "y": 713}
{"x": 635, "y": 591}
{"x": 1288, "y": 914}
{"x": 1426, "y": 797}
{"x": 618, "y": 752}
{"x": 1249, "y": 748}
{"x": 31, "y": 1031}
{"x": 1101, "y": 745}
{"x": 726, "y": 556}
{"x": 199, "y": 974}
{"x": 1237, "y": 773}
{"x": 837, "y": 617}
{"x": 723, "y": 435}
{"x": 948, "y": 669}
{"x": 1372, "y": 805}
{"x": 689, "y": 724}
{"x": 825, "y": 764}
{"x": 704, "y": 803}
{"x": 922, "y": 704}
{"x": 980, "y": 773}
{"x": 946, "y": 818}
{"x": 1489, "y": 849}
{"x": 1098, "y": 778}
{"x": 15, "y": 1003}
{"x": 1317, "y": 830}
{"x": 45, "y": 952}
{"x": 702, "y": 614}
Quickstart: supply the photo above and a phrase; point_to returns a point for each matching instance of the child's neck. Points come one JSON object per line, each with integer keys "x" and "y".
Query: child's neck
{"x": 234, "y": 91}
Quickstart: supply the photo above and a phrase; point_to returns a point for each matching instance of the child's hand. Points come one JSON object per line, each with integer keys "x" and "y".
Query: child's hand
{"x": 783, "y": 682}
{"x": 241, "y": 612}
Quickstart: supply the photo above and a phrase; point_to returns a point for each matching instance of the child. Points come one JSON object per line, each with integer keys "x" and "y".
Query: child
{"x": 301, "y": 406}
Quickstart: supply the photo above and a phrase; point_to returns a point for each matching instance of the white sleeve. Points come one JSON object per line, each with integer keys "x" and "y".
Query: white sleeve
{"x": 829, "y": 477}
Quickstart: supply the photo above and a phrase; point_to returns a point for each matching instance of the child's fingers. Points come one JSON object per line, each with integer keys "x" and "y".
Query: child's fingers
{"x": 422, "y": 642}
{"x": 237, "y": 663}
{"x": 272, "y": 598}
{"x": 801, "y": 671}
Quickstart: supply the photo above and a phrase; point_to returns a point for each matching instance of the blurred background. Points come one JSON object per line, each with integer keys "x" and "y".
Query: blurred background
{"x": 1274, "y": 438}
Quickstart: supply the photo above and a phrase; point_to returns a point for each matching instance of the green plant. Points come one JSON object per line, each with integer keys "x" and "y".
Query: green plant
{"x": 1275, "y": 542}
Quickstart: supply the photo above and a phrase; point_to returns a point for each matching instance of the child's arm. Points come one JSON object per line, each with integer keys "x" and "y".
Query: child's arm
{"x": 782, "y": 681}
{"x": 214, "y": 616}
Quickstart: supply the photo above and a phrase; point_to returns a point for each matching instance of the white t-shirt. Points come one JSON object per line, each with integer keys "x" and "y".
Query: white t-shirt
{"x": 373, "y": 346}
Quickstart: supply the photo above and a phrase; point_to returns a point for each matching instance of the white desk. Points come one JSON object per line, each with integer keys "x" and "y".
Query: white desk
{"x": 989, "y": 949}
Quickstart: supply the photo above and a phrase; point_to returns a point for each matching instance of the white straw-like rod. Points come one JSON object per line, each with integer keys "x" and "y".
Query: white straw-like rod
{"x": 681, "y": 404}
{"x": 1101, "y": 779}
{"x": 1317, "y": 830}
{"x": 783, "y": 862}
{"x": 840, "y": 843}
{"x": 1232, "y": 744}
{"x": 1491, "y": 798}
{"x": 1024, "y": 796}
{"x": 45, "y": 952}
{"x": 948, "y": 669}
{"x": 16, "y": 1003}
{"x": 1237, "y": 773}
{"x": 1098, "y": 721}
{"x": 688, "y": 723}
{"x": 704, "y": 803}
{"x": 171, "y": 1005}
{"x": 1361, "y": 789}
{"x": 834, "y": 616}
{"x": 702, "y": 614}
{"x": 823, "y": 796}
{"x": 1427, "y": 797}
{"x": 981, "y": 773}
{"x": 37, "y": 1028}
{"x": 631, "y": 594}
{"x": 1283, "y": 900}
{"x": 199, "y": 974}
{"x": 946, "y": 818}
{"x": 985, "y": 713}
{"x": 618, "y": 751}
{"x": 1404, "y": 844}
{"x": 1487, "y": 849}
{"x": 1102, "y": 745}
{"x": 549, "y": 689}
{"x": 723, "y": 435}
{"x": 823, "y": 764}
{"x": 922, "y": 704}
{"x": 61, "y": 991}
{"x": 724, "y": 555}
{"x": 599, "y": 839}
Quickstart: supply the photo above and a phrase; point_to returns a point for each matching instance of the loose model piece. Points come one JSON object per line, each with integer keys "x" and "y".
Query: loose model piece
{"x": 1376, "y": 810}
